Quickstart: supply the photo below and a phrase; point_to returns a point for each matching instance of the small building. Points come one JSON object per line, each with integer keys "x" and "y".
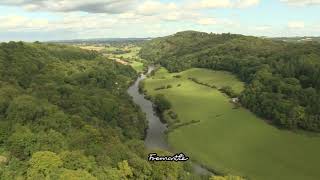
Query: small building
{"x": 235, "y": 100}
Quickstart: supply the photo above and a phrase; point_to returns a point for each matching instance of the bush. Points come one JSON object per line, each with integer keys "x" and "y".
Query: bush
{"x": 141, "y": 87}
{"x": 160, "y": 88}
{"x": 228, "y": 91}
{"x": 152, "y": 73}
{"x": 161, "y": 103}
{"x": 172, "y": 115}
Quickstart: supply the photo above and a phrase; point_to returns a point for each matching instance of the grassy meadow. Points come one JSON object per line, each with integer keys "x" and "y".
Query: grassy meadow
{"x": 228, "y": 139}
{"x": 138, "y": 66}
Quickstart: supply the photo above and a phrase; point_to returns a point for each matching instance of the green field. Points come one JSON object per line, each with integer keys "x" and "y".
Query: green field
{"x": 134, "y": 50}
{"x": 132, "y": 57}
{"x": 233, "y": 140}
{"x": 138, "y": 66}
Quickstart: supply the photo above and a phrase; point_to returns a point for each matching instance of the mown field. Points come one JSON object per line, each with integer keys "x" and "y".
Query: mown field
{"x": 232, "y": 140}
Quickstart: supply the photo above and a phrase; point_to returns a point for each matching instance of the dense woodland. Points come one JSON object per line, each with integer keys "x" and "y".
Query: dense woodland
{"x": 65, "y": 114}
{"x": 282, "y": 79}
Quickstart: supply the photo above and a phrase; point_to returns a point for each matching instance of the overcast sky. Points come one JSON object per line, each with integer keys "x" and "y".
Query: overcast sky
{"x": 32, "y": 20}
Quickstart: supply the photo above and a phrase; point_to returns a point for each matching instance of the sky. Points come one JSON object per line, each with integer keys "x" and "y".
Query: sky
{"x": 42, "y": 20}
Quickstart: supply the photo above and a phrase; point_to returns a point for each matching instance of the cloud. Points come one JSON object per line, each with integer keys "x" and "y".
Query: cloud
{"x": 16, "y": 23}
{"x": 128, "y": 16}
{"x": 301, "y": 2}
{"x": 155, "y": 7}
{"x": 144, "y": 17}
{"x": 246, "y": 3}
{"x": 92, "y": 6}
{"x": 262, "y": 28}
{"x": 296, "y": 25}
{"x": 211, "y": 4}
{"x": 214, "y": 4}
{"x": 179, "y": 15}
{"x": 217, "y": 22}
{"x": 69, "y": 22}
{"x": 207, "y": 21}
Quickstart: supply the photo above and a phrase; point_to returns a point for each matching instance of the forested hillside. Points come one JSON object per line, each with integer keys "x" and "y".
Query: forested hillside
{"x": 65, "y": 114}
{"x": 283, "y": 79}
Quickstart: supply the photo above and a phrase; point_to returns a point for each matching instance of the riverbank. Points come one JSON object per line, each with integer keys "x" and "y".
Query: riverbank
{"x": 156, "y": 133}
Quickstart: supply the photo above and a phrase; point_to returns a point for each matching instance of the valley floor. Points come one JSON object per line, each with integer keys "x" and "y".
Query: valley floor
{"x": 229, "y": 139}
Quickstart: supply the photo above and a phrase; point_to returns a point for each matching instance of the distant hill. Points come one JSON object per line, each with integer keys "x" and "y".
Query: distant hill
{"x": 101, "y": 40}
{"x": 298, "y": 39}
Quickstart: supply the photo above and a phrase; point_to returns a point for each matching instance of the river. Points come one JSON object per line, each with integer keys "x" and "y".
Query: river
{"x": 155, "y": 135}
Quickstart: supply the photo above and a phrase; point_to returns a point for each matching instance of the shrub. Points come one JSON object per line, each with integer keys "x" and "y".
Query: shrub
{"x": 172, "y": 115}
{"x": 228, "y": 91}
{"x": 161, "y": 103}
{"x": 141, "y": 86}
{"x": 160, "y": 88}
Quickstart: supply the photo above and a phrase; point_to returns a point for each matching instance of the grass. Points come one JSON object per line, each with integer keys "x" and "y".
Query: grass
{"x": 233, "y": 140}
{"x": 134, "y": 50}
{"x": 138, "y": 66}
{"x": 92, "y": 47}
{"x": 214, "y": 78}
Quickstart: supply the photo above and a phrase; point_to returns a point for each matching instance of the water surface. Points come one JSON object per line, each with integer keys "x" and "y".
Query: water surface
{"x": 155, "y": 136}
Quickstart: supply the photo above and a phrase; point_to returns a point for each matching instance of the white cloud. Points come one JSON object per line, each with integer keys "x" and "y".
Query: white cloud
{"x": 214, "y": 4}
{"x": 69, "y": 22}
{"x": 301, "y": 2}
{"x": 155, "y": 7}
{"x": 207, "y": 21}
{"x": 246, "y": 3}
{"x": 211, "y": 4}
{"x": 180, "y": 15}
{"x": 296, "y": 25}
{"x": 128, "y": 15}
{"x": 262, "y": 28}
{"x": 16, "y": 23}
{"x": 172, "y": 16}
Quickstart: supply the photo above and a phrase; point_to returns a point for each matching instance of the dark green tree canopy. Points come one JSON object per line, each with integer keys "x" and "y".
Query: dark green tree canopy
{"x": 65, "y": 114}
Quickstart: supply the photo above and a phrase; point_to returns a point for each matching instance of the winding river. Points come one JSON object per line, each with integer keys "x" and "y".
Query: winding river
{"x": 155, "y": 135}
